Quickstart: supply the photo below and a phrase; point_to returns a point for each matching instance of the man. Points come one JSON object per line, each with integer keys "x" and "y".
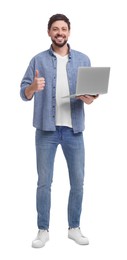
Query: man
{"x": 50, "y": 75}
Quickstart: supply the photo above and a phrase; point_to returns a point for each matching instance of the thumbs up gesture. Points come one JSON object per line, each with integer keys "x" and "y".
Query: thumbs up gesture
{"x": 38, "y": 83}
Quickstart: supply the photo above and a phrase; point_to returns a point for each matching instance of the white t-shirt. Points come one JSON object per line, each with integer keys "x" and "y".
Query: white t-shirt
{"x": 63, "y": 110}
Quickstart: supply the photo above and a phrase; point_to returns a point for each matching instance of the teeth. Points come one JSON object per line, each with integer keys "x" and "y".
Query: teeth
{"x": 60, "y": 38}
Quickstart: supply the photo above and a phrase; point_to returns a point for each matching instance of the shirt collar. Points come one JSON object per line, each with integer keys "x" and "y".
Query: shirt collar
{"x": 52, "y": 52}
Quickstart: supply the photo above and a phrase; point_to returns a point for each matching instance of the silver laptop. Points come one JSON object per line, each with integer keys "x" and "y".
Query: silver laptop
{"x": 92, "y": 81}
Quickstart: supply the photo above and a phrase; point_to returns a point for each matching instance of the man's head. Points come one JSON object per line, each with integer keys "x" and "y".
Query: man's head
{"x": 59, "y": 29}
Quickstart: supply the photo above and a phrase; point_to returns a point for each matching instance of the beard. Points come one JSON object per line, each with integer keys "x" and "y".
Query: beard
{"x": 60, "y": 45}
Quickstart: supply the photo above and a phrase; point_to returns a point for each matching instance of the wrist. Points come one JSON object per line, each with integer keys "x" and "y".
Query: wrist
{"x": 29, "y": 91}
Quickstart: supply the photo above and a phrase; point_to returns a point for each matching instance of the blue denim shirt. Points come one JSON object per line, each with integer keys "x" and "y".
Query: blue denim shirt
{"x": 45, "y": 101}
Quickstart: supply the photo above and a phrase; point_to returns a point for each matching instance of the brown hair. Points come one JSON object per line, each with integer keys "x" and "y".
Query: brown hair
{"x": 58, "y": 17}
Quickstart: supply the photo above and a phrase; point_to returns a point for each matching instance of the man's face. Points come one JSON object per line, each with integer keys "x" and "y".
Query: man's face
{"x": 59, "y": 33}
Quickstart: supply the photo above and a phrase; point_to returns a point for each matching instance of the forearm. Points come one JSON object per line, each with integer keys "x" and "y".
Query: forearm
{"x": 29, "y": 91}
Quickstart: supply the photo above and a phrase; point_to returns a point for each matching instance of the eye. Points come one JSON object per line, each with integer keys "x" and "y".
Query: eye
{"x": 64, "y": 29}
{"x": 54, "y": 29}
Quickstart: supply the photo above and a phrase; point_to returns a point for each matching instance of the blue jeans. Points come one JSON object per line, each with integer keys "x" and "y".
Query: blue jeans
{"x": 73, "y": 149}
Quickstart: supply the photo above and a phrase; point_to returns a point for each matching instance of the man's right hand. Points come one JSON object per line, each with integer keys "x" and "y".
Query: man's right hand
{"x": 37, "y": 85}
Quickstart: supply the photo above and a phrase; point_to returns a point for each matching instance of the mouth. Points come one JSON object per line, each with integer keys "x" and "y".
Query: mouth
{"x": 59, "y": 38}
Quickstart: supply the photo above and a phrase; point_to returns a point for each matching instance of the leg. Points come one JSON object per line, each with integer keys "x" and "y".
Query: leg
{"x": 73, "y": 148}
{"x": 45, "y": 151}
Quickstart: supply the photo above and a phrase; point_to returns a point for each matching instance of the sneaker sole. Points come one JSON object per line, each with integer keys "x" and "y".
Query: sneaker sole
{"x": 81, "y": 244}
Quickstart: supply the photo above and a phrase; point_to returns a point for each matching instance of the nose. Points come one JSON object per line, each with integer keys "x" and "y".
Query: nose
{"x": 60, "y": 31}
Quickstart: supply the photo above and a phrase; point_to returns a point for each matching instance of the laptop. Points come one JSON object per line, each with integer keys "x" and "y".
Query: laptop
{"x": 91, "y": 81}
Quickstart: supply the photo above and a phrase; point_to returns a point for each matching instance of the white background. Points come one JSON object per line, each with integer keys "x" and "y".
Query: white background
{"x": 99, "y": 30}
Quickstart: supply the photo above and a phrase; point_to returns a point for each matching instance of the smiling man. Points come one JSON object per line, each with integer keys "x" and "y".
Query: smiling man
{"x": 50, "y": 75}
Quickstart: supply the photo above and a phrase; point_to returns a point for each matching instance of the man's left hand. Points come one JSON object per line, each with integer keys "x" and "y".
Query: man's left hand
{"x": 88, "y": 99}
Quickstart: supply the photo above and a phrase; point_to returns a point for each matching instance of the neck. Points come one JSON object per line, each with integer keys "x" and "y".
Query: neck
{"x": 61, "y": 51}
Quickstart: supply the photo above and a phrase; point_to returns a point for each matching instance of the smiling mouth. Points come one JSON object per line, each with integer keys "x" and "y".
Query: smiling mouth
{"x": 59, "y": 38}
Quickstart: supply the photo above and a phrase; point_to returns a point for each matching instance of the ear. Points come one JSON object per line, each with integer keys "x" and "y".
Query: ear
{"x": 48, "y": 32}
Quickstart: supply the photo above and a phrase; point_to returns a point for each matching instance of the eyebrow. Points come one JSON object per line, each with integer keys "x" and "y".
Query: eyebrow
{"x": 63, "y": 27}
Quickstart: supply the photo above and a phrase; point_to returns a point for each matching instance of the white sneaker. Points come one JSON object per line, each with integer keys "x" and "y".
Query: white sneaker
{"x": 76, "y": 235}
{"x": 41, "y": 239}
